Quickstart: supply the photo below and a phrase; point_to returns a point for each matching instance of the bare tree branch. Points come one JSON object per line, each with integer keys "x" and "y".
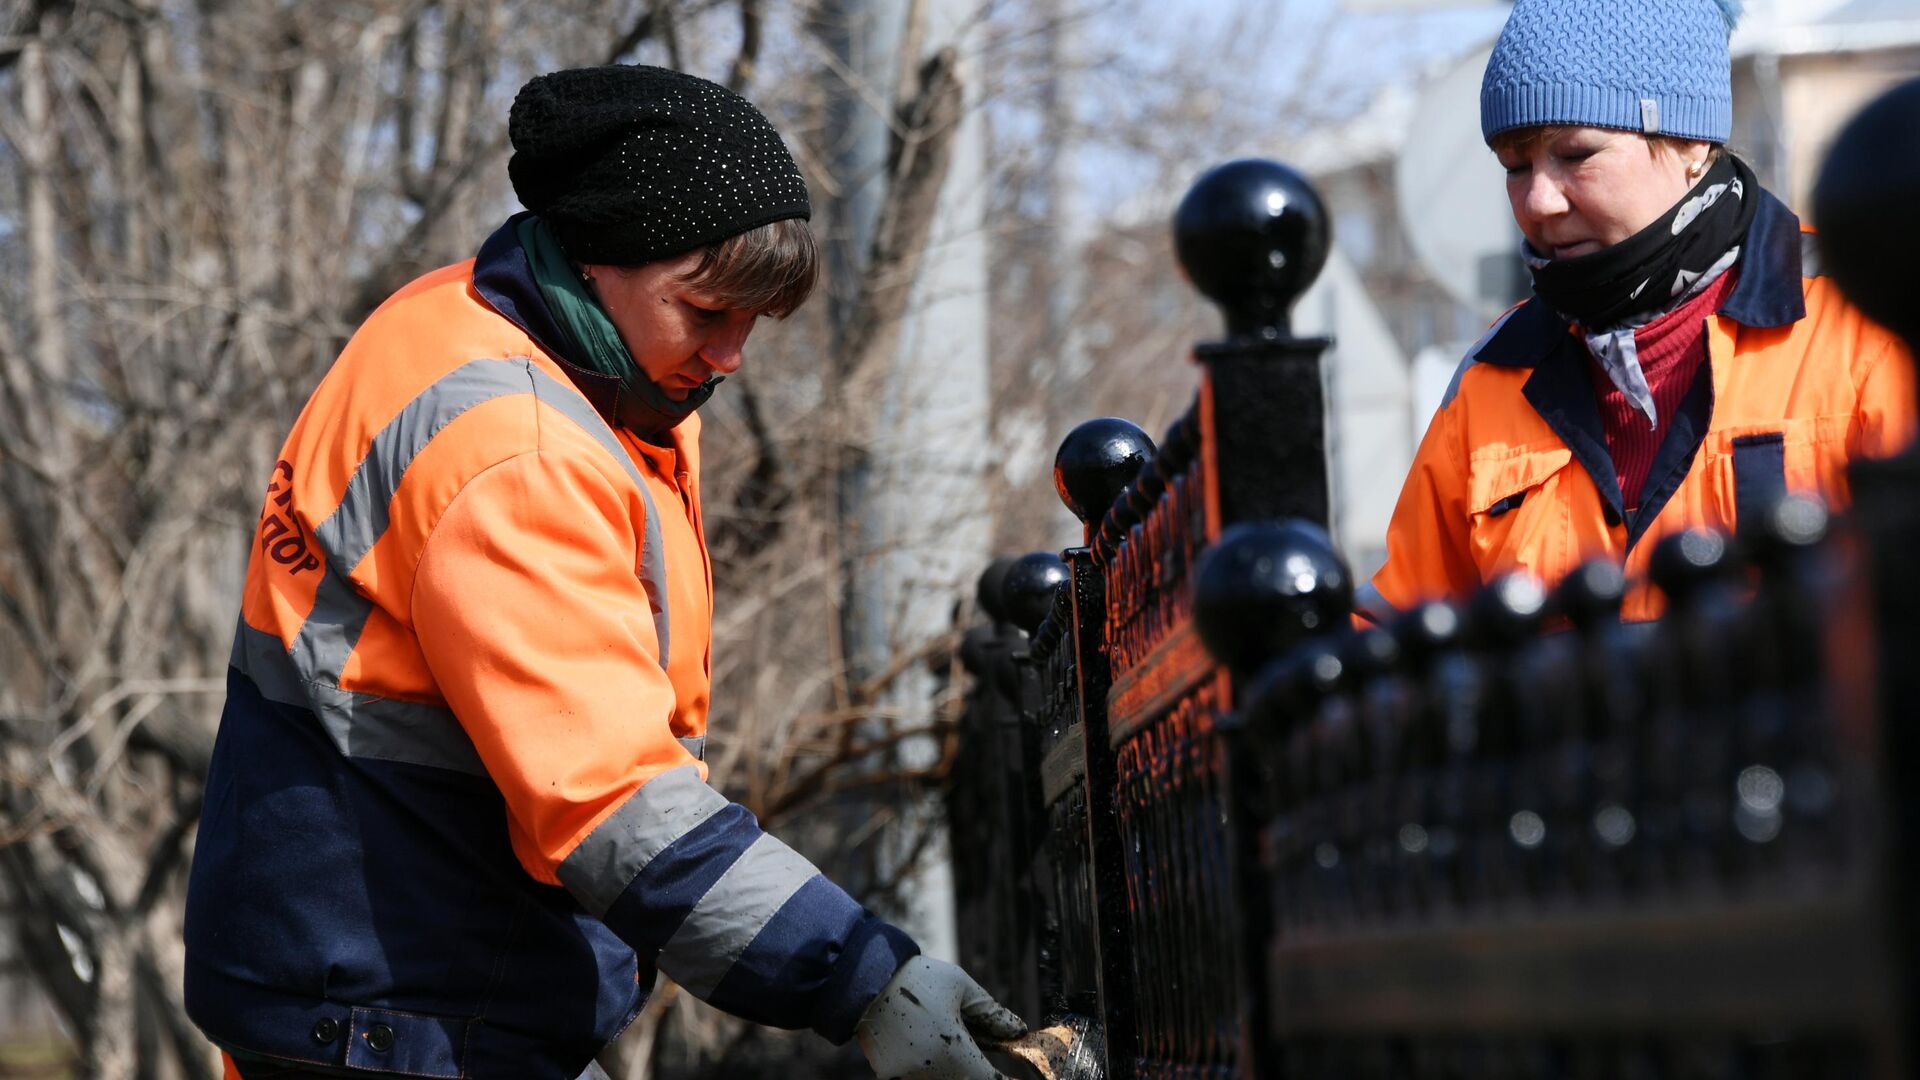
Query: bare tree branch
{"x": 745, "y": 61}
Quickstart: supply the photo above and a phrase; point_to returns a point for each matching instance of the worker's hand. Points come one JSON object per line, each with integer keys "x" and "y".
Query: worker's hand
{"x": 923, "y": 1025}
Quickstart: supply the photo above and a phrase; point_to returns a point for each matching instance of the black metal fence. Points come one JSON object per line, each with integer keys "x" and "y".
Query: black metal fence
{"x": 1220, "y": 832}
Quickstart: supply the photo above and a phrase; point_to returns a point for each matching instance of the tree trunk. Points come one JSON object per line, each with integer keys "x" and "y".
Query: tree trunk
{"x": 911, "y": 501}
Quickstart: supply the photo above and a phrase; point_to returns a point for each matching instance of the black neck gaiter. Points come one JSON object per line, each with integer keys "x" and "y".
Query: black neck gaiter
{"x": 648, "y": 412}
{"x": 1647, "y": 270}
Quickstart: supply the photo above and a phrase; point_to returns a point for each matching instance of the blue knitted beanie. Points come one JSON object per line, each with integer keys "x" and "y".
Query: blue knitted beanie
{"x": 1654, "y": 66}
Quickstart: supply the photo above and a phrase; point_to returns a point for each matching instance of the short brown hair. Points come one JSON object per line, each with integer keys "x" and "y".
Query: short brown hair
{"x": 771, "y": 269}
{"x": 1522, "y": 138}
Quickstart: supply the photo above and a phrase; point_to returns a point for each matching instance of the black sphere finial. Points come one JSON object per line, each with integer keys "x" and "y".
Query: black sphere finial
{"x": 990, "y": 593}
{"x": 1027, "y": 592}
{"x": 1868, "y": 215}
{"x": 1292, "y": 688}
{"x": 1266, "y": 587}
{"x": 1591, "y": 596}
{"x": 1252, "y": 236}
{"x": 1686, "y": 562}
{"x": 1426, "y": 631}
{"x": 1096, "y": 462}
{"x": 1507, "y": 612}
{"x": 1791, "y": 527}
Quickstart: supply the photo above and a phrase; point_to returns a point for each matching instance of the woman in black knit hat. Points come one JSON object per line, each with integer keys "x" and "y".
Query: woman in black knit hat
{"x": 457, "y": 813}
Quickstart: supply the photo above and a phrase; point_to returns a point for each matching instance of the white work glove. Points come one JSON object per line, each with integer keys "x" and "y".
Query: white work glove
{"x": 922, "y": 1026}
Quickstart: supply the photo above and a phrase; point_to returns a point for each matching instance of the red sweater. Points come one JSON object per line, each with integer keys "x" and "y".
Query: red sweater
{"x": 1672, "y": 348}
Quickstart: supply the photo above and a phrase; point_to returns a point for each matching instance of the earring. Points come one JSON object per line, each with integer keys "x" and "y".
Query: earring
{"x": 1695, "y": 170}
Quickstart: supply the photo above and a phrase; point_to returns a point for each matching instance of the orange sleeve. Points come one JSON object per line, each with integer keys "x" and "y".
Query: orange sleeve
{"x": 1885, "y": 414}
{"x": 533, "y": 620}
{"x": 1428, "y": 556}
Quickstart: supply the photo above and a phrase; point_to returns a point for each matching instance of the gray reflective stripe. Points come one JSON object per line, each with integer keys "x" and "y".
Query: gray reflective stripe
{"x": 260, "y": 656}
{"x": 360, "y": 725}
{"x": 325, "y": 641}
{"x": 653, "y": 563}
{"x": 362, "y": 516}
{"x": 727, "y": 919}
{"x": 308, "y": 673}
{"x": 663, "y": 810}
{"x": 1473, "y": 356}
{"x": 340, "y": 612}
{"x": 1367, "y": 599}
{"x": 696, "y": 745}
{"x": 368, "y": 726}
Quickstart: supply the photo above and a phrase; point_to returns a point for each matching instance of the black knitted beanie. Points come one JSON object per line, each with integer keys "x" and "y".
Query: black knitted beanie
{"x": 630, "y": 164}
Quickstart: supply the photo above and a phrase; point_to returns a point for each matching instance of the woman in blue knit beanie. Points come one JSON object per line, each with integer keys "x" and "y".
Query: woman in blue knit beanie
{"x": 1682, "y": 363}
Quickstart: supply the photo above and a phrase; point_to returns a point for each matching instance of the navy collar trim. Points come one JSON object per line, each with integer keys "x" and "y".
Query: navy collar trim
{"x": 504, "y": 279}
{"x": 1767, "y": 294}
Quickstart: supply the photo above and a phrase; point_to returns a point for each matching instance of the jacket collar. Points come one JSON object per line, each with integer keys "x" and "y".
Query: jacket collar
{"x": 503, "y": 277}
{"x": 1768, "y": 293}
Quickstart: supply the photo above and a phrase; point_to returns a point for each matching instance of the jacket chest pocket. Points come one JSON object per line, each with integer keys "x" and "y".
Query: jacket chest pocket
{"x": 1753, "y": 466}
{"x": 1519, "y": 518}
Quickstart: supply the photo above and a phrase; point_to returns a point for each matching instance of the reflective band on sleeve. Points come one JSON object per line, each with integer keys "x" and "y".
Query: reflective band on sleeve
{"x": 663, "y": 810}
{"x": 307, "y": 674}
{"x": 726, "y": 920}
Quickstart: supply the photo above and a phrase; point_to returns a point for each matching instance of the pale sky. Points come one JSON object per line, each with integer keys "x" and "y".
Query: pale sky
{"x": 1270, "y": 63}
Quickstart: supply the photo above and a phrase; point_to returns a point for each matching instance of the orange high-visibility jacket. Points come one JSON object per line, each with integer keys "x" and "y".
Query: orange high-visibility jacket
{"x": 1514, "y": 471}
{"x": 457, "y": 814}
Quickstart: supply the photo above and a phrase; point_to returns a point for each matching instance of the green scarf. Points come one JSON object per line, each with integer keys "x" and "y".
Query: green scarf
{"x": 640, "y": 407}
{"x": 577, "y": 310}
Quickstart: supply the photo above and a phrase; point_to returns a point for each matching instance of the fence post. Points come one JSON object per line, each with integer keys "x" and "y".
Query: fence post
{"x": 995, "y": 788}
{"x": 1252, "y": 236}
{"x": 1094, "y": 466}
{"x": 1259, "y": 593}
